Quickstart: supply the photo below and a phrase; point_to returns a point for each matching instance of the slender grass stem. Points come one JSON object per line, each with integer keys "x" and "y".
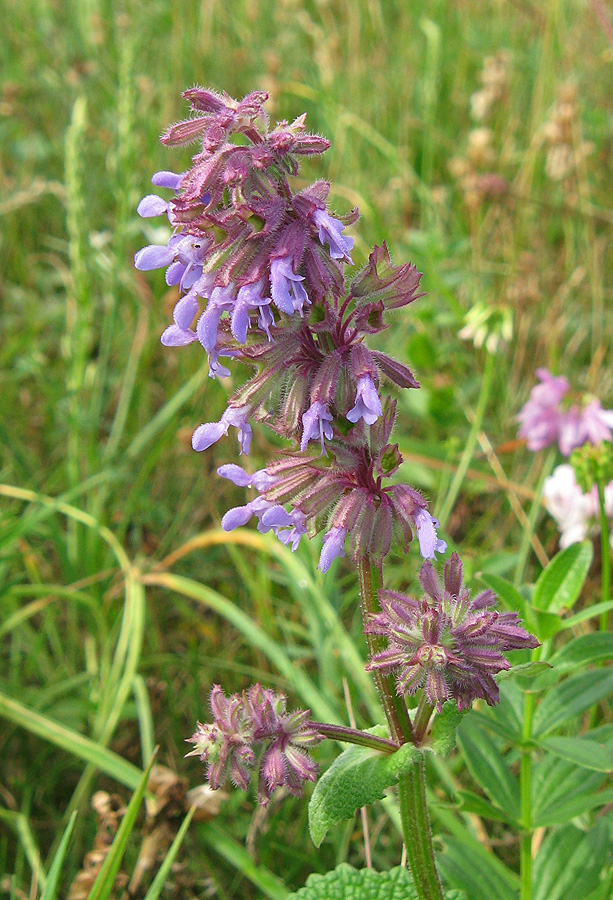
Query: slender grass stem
{"x": 412, "y": 784}
{"x": 526, "y": 538}
{"x": 605, "y": 548}
{"x": 525, "y": 789}
{"x": 471, "y": 442}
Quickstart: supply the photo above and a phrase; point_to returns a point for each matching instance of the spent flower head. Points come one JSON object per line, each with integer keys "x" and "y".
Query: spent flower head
{"x": 254, "y": 730}
{"x": 444, "y": 642}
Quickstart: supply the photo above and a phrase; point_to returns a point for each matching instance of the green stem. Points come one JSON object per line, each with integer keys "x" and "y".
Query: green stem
{"x": 412, "y": 784}
{"x": 471, "y": 443}
{"x": 525, "y": 789}
{"x": 605, "y": 548}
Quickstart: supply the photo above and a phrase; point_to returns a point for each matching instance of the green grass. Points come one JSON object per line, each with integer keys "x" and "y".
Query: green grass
{"x": 102, "y": 633}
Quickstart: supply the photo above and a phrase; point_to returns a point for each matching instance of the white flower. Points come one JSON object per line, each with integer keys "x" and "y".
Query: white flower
{"x": 576, "y": 513}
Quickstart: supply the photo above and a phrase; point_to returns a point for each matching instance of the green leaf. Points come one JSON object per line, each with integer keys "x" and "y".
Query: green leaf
{"x": 571, "y": 698}
{"x": 566, "y": 809}
{"x": 560, "y": 584}
{"x": 55, "y": 870}
{"x": 583, "y": 650}
{"x": 347, "y": 883}
{"x": 488, "y": 767}
{"x": 589, "y": 613}
{"x": 356, "y": 778}
{"x": 569, "y": 862}
{"x": 473, "y": 803}
{"x": 476, "y": 875}
{"x": 444, "y": 728}
{"x": 585, "y": 753}
{"x": 103, "y": 885}
{"x": 508, "y": 595}
{"x": 562, "y": 790}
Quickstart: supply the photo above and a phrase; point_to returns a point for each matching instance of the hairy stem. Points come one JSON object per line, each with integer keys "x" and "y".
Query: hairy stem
{"x": 353, "y": 736}
{"x": 412, "y": 784}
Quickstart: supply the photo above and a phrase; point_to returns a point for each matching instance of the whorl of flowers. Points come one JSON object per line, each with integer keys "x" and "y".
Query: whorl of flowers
{"x": 575, "y": 511}
{"x": 253, "y": 728}
{"x": 545, "y": 419}
{"x": 445, "y": 642}
{"x": 261, "y": 272}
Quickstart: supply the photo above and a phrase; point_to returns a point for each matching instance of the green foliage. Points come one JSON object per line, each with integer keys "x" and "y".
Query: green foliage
{"x": 560, "y": 584}
{"x": 444, "y": 729}
{"x": 488, "y": 767}
{"x": 356, "y": 778}
{"x": 346, "y": 883}
{"x": 569, "y": 863}
{"x": 98, "y": 665}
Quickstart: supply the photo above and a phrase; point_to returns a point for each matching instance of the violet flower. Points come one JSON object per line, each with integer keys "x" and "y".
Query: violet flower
{"x": 446, "y": 643}
{"x": 367, "y": 404}
{"x": 208, "y": 434}
{"x": 316, "y": 425}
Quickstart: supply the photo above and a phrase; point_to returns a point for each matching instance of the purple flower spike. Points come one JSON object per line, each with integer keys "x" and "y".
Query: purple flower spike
{"x": 446, "y": 643}
{"x": 541, "y": 415}
{"x": 429, "y": 542}
{"x": 286, "y": 288}
{"x": 316, "y": 425}
{"x": 591, "y": 424}
{"x": 208, "y": 434}
{"x": 331, "y": 231}
{"x": 367, "y": 403}
{"x": 333, "y": 547}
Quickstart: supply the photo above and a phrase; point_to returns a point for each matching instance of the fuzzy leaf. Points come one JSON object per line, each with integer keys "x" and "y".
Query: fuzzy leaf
{"x": 347, "y": 883}
{"x": 357, "y": 778}
{"x": 560, "y": 584}
{"x": 444, "y": 728}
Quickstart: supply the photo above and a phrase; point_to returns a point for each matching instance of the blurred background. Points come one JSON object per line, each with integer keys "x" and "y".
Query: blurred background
{"x": 475, "y": 137}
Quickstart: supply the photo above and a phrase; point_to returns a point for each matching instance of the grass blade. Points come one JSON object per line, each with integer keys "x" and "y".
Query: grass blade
{"x": 103, "y": 885}
{"x": 157, "y": 884}
{"x": 56, "y": 866}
